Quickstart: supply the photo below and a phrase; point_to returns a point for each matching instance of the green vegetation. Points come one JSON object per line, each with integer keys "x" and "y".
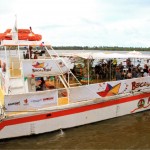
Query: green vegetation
{"x": 115, "y": 48}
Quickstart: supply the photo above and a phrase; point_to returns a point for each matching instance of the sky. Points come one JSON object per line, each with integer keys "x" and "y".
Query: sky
{"x": 124, "y": 23}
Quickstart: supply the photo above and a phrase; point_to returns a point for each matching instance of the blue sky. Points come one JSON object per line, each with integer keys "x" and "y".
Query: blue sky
{"x": 82, "y": 22}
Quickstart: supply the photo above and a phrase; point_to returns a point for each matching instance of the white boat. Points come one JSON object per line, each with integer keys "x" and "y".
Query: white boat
{"x": 28, "y": 107}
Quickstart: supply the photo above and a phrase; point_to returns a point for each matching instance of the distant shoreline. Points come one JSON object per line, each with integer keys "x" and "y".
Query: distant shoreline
{"x": 101, "y": 48}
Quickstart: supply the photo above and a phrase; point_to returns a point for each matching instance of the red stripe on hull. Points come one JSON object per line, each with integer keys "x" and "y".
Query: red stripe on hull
{"x": 70, "y": 111}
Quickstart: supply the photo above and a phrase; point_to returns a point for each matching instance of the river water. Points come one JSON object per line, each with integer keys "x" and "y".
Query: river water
{"x": 126, "y": 132}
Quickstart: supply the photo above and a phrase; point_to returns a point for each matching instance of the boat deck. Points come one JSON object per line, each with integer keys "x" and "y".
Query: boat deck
{"x": 15, "y": 72}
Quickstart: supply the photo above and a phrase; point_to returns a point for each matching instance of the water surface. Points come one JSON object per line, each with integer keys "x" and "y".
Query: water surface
{"x": 127, "y": 132}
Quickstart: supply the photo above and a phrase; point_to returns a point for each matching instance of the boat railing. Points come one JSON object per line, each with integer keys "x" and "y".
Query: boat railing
{"x": 2, "y": 114}
{"x": 54, "y": 55}
{"x": 34, "y": 101}
{"x": 13, "y": 62}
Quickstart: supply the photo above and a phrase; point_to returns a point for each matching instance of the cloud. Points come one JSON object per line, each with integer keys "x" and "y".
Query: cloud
{"x": 82, "y": 22}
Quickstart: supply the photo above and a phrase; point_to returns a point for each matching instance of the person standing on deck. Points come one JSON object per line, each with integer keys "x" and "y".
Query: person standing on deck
{"x": 114, "y": 62}
{"x": 118, "y": 74}
{"x": 29, "y": 53}
{"x": 128, "y": 63}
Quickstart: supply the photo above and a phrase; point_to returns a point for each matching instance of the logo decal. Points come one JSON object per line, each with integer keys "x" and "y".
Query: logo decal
{"x": 141, "y": 104}
{"x": 110, "y": 90}
{"x": 40, "y": 67}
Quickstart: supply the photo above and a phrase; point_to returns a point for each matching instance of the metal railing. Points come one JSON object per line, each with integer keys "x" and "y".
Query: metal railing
{"x": 2, "y": 114}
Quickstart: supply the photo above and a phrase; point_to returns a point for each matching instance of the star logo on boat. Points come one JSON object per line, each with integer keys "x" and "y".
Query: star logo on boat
{"x": 110, "y": 90}
{"x": 38, "y": 65}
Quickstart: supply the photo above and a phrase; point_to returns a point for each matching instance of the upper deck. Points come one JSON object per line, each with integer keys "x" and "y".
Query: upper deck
{"x": 13, "y": 52}
{"x": 32, "y": 66}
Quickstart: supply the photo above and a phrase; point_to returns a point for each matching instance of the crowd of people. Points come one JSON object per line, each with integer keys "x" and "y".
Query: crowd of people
{"x": 111, "y": 69}
{"x": 33, "y": 54}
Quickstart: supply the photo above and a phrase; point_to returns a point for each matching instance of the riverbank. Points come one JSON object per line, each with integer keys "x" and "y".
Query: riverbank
{"x": 103, "y": 48}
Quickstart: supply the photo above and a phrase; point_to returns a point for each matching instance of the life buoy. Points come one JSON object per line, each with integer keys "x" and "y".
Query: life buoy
{"x": 23, "y": 34}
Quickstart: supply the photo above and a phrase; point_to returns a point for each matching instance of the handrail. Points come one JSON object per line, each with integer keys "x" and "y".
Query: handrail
{"x": 69, "y": 72}
{"x": 2, "y": 114}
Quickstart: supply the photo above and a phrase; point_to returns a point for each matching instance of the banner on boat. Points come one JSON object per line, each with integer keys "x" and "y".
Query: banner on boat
{"x": 43, "y": 67}
{"x": 120, "y": 87}
{"x": 106, "y": 89}
{"x": 31, "y": 101}
{"x": 81, "y": 93}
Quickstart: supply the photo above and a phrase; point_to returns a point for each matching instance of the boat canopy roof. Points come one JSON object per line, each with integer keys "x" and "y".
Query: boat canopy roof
{"x": 23, "y": 43}
{"x": 103, "y": 55}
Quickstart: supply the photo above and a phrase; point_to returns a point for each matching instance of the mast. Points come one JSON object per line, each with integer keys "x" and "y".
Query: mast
{"x": 15, "y": 30}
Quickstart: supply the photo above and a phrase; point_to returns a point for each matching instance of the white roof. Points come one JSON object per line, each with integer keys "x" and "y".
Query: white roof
{"x": 21, "y": 43}
{"x": 102, "y": 55}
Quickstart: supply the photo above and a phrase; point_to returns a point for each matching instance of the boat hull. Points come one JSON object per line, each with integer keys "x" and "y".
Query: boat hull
{"x": 72, "y": 116}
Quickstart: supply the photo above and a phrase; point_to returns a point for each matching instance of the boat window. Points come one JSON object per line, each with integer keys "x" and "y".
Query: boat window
{"x": 39, "y": 83}
{"x": 62, "y": 93}
{"x": 45, "y": 83}
{"x": 50, "y": 82}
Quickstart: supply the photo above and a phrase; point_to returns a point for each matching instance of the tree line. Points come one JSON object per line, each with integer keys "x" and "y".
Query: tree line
{"x": 115, "y": 48}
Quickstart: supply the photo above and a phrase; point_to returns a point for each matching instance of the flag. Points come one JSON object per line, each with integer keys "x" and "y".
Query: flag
{"x": 32, "y": 75}
{"x": 42, "y": 44}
